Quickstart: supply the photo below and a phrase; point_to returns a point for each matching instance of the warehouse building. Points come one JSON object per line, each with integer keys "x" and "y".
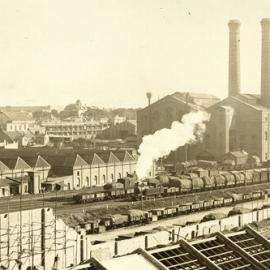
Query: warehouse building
{"x": 242, "y": 121}
{"x": 62, "y": 170}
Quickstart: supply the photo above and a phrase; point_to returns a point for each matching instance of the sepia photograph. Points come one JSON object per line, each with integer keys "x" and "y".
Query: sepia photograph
{"x": 135, "y": 135}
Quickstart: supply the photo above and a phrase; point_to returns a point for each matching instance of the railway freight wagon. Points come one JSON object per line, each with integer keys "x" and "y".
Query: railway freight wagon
{"x": 169, "y": 191}
{"x": 248, "y": 176}
{"x": 135, "y": 216}
{"x": 197, "y": 184}
{"x": 92, "y": 196}
{"x": 230, "y": 179}
{"x": 264, "y": 175}
{"x": 167, "y": 185}
{"x": 256, "y": 176}
{"x": 184, "y": 184}
{"x": 114, "y": 221}
{"x": 220, "y": 181}
{"x": 239, "y": 178}
{"x": 209, "y": 182}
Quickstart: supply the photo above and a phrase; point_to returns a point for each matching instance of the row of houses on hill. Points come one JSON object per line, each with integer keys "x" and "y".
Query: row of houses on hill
{"x": 31, "y": 172}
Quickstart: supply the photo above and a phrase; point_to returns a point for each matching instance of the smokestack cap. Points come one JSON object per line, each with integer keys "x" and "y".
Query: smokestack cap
{"x": 265, "y": 22}
{"x": 234, "y": 24}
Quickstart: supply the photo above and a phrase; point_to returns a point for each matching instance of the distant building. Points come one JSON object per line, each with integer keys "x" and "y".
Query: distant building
{"x": 74, "y": 110}
{"x": 10, "y": 139}
{"x": 19, "y": 121}
{"x": 119, "y": 131}
{"x": 42, "y": 139}
{"x": 118, "y": 119}
{"x": 4, "y": 119}
{"x": 74, "y": 129}
{"x": 163, "y": 112}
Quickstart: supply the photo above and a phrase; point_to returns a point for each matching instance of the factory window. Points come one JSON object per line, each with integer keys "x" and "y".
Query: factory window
{"x": 119, "y": 176}
{"x": 266, "y": 135}
{"x": 87, "y": 181}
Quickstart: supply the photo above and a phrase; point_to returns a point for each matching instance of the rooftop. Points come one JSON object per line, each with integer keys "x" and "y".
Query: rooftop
{"x": 245, "y": 249}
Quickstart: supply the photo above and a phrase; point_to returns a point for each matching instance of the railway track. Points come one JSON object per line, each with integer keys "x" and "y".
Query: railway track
{"x": 64, "y": 204}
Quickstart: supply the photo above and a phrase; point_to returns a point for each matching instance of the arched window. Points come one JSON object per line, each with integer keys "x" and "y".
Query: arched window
{"x": 78, "y": 182}
{"x": 87, "y": 181}
{"x": 104, "y": 178}
{"x": 112, "y": 176}
{"x": 150, "y": 174}
{"x": 266, "y": 135}
{"x": 78, "y": 173}
{"x": 119, "y": 176}
{"x": 95, "y": 179}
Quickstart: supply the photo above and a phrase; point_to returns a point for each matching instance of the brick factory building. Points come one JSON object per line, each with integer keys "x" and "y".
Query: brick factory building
{"x": 163, "y": 112}
{"x": 242, "y": 121}
{"x": 239, "y": 122}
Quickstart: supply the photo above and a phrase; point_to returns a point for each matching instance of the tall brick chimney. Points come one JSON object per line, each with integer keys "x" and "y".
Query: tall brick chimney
{"x": 234, "y": 58}
{"x": 265, "y": 63}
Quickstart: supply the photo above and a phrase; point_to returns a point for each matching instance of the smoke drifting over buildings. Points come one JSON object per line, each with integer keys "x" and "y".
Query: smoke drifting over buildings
{"x": 163, "y": 141}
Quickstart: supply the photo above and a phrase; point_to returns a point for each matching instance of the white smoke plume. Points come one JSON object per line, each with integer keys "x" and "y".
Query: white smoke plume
{"x": 163, "y": 141}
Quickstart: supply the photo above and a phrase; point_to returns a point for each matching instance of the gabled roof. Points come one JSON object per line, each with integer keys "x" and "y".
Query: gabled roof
{"x": 3, "y": 118}
{"x": 65, "y": 160}
{"x": 15, "y": 163}
{"x": 247, "y": 100}
{"x": 195, "y": 101}
{"x": 18, "y": 115}
{"x": 80, "y": 162}
{"x": 37, "y": 162}
{"x": 10, "y": 136}
{"x": 97, "y": 160}
{"x": 63, "y": 164}
{"x": 124, "y": 156}
{"x": 108, "y": 157}
{"x": 3, "y": 167}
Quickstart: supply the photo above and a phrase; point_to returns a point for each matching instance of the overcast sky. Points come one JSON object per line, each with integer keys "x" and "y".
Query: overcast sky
{"x": 110, "y": 52}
